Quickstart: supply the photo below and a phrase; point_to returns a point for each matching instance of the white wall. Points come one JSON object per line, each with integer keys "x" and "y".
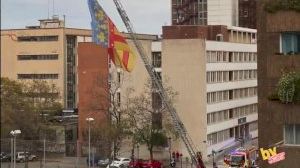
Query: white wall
{"x": 222, "y": 12}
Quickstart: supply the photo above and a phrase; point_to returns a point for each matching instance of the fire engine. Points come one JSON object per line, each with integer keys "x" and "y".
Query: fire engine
{"x": 242, "y": 158}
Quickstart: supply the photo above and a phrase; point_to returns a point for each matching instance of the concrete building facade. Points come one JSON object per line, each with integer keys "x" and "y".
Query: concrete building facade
{"x": 205, "y": 12}
{"x": 214, "y": 70}
{"x": 240, "y": 13}
{"x": 46, "y": 52}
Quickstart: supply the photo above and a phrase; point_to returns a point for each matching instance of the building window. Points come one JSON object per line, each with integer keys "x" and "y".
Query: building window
{"x": 71, "y": 68}
{"x": 118, "y": 99}
{"x": 119, "y": 77}
{"x": 157, "y": 120}
{"x": 37, "y": 76}
{"x": 156, "y": 59}
{"x": 158, "y": 75}
{"x": 38, "y": 57}
{"x": 37, "y": 38}
{"x": 292, "y": 134}
{"x": 290, "y": 43}
{"x": 156, "y": 101}
{"x": 253, "y": 126}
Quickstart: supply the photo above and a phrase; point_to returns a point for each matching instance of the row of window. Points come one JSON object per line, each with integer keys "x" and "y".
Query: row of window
{"x": 220, "y": 136}
{"x": 228, "y": 76}
{"x": 38, "y": 57}
{"x": 37, "y": 38}
{"x": 37, "y": 76}
{"x": 225, "y": 56}
{"x": 219, "y": 96}
{"x": 224, "y": 115}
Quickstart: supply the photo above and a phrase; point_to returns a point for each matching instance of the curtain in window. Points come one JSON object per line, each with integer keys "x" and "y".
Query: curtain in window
{"x": 289, "y": 134}
{"x": 287, "y": 43}
{"x": 290, "y": 43}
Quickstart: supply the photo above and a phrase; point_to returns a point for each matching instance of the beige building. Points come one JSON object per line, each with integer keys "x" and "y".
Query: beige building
{"x": 46, "y": 52}
{"x": 213, "y": 68}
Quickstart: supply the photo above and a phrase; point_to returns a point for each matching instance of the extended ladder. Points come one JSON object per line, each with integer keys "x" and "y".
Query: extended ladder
{"x": 155, "y": 78}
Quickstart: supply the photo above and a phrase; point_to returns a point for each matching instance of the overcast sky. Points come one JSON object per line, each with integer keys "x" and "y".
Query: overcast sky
{"x": 147, "y": 16}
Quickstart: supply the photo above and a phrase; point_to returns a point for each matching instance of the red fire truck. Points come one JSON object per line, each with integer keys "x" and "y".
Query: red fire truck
{"x": 242, "y": 158}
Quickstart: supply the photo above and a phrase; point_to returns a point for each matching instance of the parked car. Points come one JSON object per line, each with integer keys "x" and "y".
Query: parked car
{"x": 93, "y": 161}
{"x": 23, "y": 156}
{"x": 4, "y": 157}
{"x": 145, "y": 164}
{"x": 119, "y": 162}
{"x": 103, "y": 162}
{"x": 139, "y": 163}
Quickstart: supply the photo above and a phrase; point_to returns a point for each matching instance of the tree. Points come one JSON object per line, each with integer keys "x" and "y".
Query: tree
{"x": 44, "y": 96}
{"x": 150, "y": 121}
{"x": 21, "y": 106}
{"x": 106, "y": 99}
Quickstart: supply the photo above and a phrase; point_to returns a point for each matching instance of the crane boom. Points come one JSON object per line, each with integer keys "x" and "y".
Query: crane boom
{"x": 180, "y": 128}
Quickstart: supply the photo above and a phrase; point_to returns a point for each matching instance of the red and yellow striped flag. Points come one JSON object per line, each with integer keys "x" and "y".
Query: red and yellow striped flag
{"x": 119, "y": 50}
{"x": 107, "y": 35}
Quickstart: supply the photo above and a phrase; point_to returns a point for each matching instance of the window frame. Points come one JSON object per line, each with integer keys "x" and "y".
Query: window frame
{"x": 294, "y": 135}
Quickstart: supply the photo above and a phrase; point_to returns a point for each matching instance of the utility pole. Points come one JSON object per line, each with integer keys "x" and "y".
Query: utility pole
{"x": 44, "y": 157}
{"x": 89, "y": 120}
{"x": 11, "y": 152}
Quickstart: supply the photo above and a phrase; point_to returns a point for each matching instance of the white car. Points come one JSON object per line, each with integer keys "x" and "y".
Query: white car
{"x": 119, "y": 163}
{"x": 22, "y": 156}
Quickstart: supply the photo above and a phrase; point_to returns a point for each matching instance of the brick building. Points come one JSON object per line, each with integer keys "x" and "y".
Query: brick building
{"x": 93, "y": 91}
{"x": 278, "y": 53}
{"x": 247, "y": 13}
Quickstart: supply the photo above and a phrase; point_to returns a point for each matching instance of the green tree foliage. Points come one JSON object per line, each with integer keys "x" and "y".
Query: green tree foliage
{"x": 288, "y": 88}
{"x": 150, "y": 126}
{"x": 276, "y": 5}
{"x": 44, "y": 96}
{"x": 22, "y": 104}
{"x": 114, "y": 127}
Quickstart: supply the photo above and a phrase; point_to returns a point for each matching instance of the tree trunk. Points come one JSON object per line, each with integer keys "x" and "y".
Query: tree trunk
{"x": 151, "y": 152}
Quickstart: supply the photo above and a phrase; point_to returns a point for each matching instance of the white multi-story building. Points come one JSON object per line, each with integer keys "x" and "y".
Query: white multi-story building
{"x": 215, "y": 72}
{"x": 213, "y": 68}
{"x": 205, "y": 12}
{"x": 222, "y": 12}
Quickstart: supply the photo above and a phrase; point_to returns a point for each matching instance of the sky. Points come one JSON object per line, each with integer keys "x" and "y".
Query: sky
{"x": 147, "y": 16}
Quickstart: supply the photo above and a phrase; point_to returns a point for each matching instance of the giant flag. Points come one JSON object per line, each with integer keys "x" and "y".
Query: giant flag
{"x": 106, "y": 34}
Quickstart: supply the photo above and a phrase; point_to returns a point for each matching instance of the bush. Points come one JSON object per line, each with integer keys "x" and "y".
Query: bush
{"x": 276, "y": 5}
{"x": 288, "y": 89}
{"x": 297, "y": 89}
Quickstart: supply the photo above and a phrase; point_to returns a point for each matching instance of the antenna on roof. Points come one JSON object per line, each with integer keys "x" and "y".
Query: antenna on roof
{"x": 53, "y": 8}
{"x": 48, "y": 8}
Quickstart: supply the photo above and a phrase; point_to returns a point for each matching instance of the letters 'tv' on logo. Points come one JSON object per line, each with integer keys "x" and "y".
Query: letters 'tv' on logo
{"x": 266, "y": 154}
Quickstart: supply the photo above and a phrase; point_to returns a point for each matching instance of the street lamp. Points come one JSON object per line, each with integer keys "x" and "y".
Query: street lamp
{"x": 170, "y": 149}
{"x": 89, "y": 120}
{"x": 14, "y": 133}
{"x": 138, "y": 151}
{"x": 213, "y": 152}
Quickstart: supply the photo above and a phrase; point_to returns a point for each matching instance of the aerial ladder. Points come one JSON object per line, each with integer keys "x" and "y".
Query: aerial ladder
{"x": 180, "y": 128}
